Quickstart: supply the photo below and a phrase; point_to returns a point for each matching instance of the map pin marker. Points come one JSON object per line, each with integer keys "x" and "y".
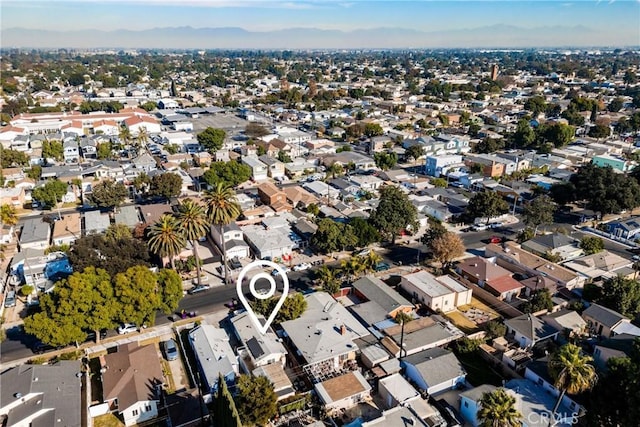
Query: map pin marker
{"x": 261, "y": 264}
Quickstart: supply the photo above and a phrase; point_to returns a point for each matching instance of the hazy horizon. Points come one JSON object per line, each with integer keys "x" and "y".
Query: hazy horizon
{"x": 319, "y": 23}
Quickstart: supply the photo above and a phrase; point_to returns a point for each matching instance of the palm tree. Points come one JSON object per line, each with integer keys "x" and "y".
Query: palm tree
{"x": 166, "y": 239}
{"x": 8, "y": 215}
{"x": 370, "y": 261}
{"x": 571, "y": 372}
{"x": 328, "y": 279}
{"x": 352, "y": 266}
{"x": 498, "y": 409}
{"x": 193, "y": 224}
{"x": 222, "y": 207}
{"x": 141, "y": 138}
{"x": 124, "y": 135}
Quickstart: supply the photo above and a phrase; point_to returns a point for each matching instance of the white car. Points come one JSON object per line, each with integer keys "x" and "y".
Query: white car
{"x": 276, "y": 272}
{"x": 127, "y": 328}
{"x": 302, "y": 267}
{"x": 479, "y": 227}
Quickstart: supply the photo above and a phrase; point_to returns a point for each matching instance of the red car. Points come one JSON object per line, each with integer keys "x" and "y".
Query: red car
{"x": 495, "y": 239}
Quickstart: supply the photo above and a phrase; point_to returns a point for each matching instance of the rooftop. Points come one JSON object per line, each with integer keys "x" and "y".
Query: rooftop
{"x": 427, "y": 283}
{"x": 341, "y": 387}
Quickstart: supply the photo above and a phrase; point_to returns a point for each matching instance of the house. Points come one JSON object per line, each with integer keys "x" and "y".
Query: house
{"x": 146, "y": 124}
{"x": 299, "y": 197}
{"x": 418, "y": 335}
{"x": 168, "y": 104}
{"x": 528, "y": 330}
{"x": 127, "y": 215}
{"x": 7, "y": 234}
{"x": 617, "y": 346}
{"x": 259, "y": 171}
{"x": 601, "y": 265}
{"x": 556, "y": 243}
{"x": 235, "y": 245}
{"x": 438, "y": 165}
{"x": 275, "y": 166}
{"x": 273, "y": 242}
{"x": 152, "y": 213}
{"x": 272, "y": 196}
{"x": 67, "y": 230}
{"x": 510, "y": 256}
{"x": 35, "y": 234}
{"x": 470, "y": 402}
{"x": 372, "y": 289}
{"x": 343, "y": 158}
{"x": 324, "y": 335}
{"x": 411, "y": 415}
{"x": 434, "y": 370}
{"x": 132, "y": 382}
{"x": 490, "y": 276}
{"x": 145, "y": 163}
{"x": 628, "y": 228}
{"x": 96, "y": 222}
{"x": 608, "y": 323}
{"x": 395, "y": 390}
{"x": 214, "y": 357}
{"x": 12, "y": 196}
{"x": 256, "y": 349}
{"x": 567, "y": 322}
{"x": 42, "y": 395}
{"x": 343, "y": 392}
{"x": 426, "y": 289}
{"x": 71, "y": 151}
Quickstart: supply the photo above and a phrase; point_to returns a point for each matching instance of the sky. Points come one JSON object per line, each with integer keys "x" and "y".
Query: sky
{"x": 615, "y": 16}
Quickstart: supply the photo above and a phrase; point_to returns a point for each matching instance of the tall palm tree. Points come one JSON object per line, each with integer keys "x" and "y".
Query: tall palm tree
{"x": 498, "y": 409}
{"x": 193, "y": 224}
{"x": 222, "y": 207}
{"x": 142, "y": 138}
{"x": 571, "y": 371}
{"x": 124, "y": 135}
{"x": 166, "y": 239}
{"x": 8, "y": 214}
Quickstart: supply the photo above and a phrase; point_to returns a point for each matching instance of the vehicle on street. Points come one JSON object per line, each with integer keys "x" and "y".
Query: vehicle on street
{"x": 635, "y": 258}
{"x": 479, "y": 227}
{"x": 495, "y": 225}
{"x": 198, "y": 289}
{"x": 10, "y": 300}
{"x": 495, "y": 239}
{"x": 127, "y": 328}
{"x": 276, "y": 272}
{"x": 382, "y": 266}
{"x": 301, "y": 267}
{"x": 39, "y": 347}
{"x": 170, "y": 349}
{"x": 91, "y": 335}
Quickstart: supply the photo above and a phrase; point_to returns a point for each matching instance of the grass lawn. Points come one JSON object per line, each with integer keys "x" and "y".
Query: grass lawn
{"x": 107, "y": 420}
{"x": 478, "y": 370}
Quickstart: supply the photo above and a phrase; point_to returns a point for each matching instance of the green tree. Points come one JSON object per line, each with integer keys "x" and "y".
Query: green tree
{"x": 591, "y": 245}
{"x": 414, "y": 152}
{"x": 117, "y": 232}
{"x": 76, "y": 79}
{"x": 370, "y": 261}
{"x": 402, "y": 317}
{"x": 293, "y": 307}
{"x": 615, "y": 105}
{"x": 498, "y": 409}
{"x": 166, "y": 185}
{"x": 149, "y": 106}
{"x": 108, "y": 194}
{"x": 487, "y": 204}
{"x": 222, "y": 208}
{"x": 599, "y": 131}
{"x": 193, "y": 224}
{"x": 231, "y": 173}
{"x": 495, "y": 329}
{"x": 224, "y": 407}
{"x": 571, "y": 371}
{"x": 447, "y": 247}
{"x": 11, "y": 158}
{"x": 256, "y": 130}
{"x": 352, "y": 267}
{"x": 540, "y": 300}
{"x": 256, "y": 400}
{"x": 114, "y": 256}
{"x": 313, "y": 209}
{"x": 524, "y": 136}
{"x": 394, "y": 213}
{"x": 539, "y": 212}
{"x": 563, "y": 193}
{"x": 52, "y": 150}
{"x": 169, "y": 289}
{"x": 620, "y": 294}
{"x": 284, "y": 157}
{"x": 82, "y": 302}
{"x": 373, "y": 129}
{"x": 364, "y": 231}
{"x": 104, "y": 150}
{"x": 536, "y": 104}
{"x": 212, "y": 139}
{"x": 35, "y": 172}
{"x": 8, "y": 214}
{"x": 435, "y": 230}
{"x": 50, "y": 194}
{"x": 438, "y": 182}
{"x": 137, "y": 290}
{"x": 166, "y": 239}
{"x": 385, "y": 160}
{"x": 327, "y": 277}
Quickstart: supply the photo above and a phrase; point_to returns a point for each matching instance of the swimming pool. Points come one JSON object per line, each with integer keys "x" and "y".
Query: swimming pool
{"x": 58, "y": 269}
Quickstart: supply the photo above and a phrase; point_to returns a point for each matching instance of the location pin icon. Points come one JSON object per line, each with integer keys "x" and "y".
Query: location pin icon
{"x": 261, "y": 264}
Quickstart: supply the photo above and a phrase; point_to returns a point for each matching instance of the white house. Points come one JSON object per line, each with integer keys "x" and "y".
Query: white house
{"x": 214, "y": 355}
{"x": 234, "y": 240}
{"x": 259, "y": 171}
{"x": 343, "y": 392}
{"x": 426, "y": 289}
{"x": 256, "y": 349}
{"x": 434, "y": 370}
{"x": 528, "y": 330}
{"x": 71, "y": 151}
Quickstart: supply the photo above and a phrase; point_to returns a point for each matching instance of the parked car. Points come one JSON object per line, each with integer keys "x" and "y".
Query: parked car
{"x": 479, "y": 227}
{"x": 10, "y": 300}
{"x": 198, "y": 289}
{"x": 382, "y": 266}
{"x": 235, "y": 263}
{"x": 127, "y": 328}
{"x": 170, "y": 349}
{"x": 301, "y": 267}
{"x": 39, "y": 347}
{"x": 91, "y": 335}
{"x": 495, "y": 224}
{"x": 276, "y": 272}
{"x": 495, "y": 239}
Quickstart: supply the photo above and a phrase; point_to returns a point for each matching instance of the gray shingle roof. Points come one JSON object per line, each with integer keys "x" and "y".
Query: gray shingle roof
{"x": 527, "y": 323}
{"x": 603, "y": 315}
{"x": 436, "y": 365}
{"x": 376, "y": 290}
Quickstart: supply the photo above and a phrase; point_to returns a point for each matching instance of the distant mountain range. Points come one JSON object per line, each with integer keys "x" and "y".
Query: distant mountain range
{"x": 312, "y": 38}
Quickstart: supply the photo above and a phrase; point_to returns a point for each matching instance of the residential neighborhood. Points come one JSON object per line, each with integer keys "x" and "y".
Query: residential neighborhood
{"x": 458, "y": 231}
